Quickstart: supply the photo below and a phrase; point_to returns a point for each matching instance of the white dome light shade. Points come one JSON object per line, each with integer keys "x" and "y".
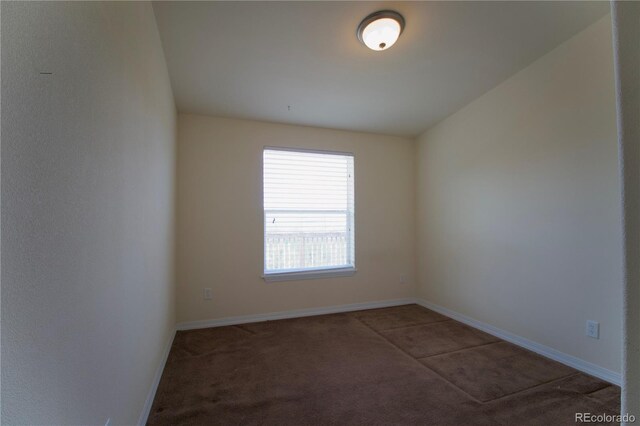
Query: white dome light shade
{"x": 380, "y": 30}
{"x": 381, "y": 34}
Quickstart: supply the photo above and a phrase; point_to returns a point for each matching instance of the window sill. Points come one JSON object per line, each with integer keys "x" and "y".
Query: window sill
{"x": 309, "y": 275}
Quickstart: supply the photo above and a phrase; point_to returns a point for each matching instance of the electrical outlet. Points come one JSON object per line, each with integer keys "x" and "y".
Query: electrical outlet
{"x": 403, "y": 279}
{"x": 593, "y": 329}
{"x": 207, "y": 294}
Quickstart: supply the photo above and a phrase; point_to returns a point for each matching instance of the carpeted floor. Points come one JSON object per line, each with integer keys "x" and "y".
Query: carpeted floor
{"x": 404, "y": 365}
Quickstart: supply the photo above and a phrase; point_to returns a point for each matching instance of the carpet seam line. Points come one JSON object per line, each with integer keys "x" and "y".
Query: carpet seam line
{"x": 459, "y": 350}
{"x": 419, "y": 363}
{"x": 533, "y": 387}
{"x": 414, "y": 325}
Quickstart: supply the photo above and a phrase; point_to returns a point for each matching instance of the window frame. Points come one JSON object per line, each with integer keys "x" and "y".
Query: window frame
{"x": 322, "y": 271}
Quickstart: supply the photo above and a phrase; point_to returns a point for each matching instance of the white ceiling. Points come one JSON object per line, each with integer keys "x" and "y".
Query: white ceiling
{"x": 254, "y": 59}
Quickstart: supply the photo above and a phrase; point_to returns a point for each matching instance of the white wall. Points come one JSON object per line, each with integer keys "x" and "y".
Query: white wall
{"x": 220, "y": 229}
{"x": 519, "y": 208}
{"x": 87, "y": 211}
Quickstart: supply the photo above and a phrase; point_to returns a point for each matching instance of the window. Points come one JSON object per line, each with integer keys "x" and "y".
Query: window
{"x": 308, "y": 214}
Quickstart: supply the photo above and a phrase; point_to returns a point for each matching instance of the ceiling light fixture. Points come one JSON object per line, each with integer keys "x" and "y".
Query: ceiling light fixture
{"x": 380, "y": 30}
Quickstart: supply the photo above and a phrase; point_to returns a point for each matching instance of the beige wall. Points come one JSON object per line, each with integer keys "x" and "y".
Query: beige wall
{"x": 519, "y": 208}
{"x": 87, "y": 211}
{"x": 220, "y": 230}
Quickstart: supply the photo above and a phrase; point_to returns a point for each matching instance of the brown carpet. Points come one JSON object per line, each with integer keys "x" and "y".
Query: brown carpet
{"x": 404, "y": 365}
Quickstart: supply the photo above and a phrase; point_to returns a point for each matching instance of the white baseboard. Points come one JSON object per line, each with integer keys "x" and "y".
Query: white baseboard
{"x": 144, "y": 415}
{"x": 292, "y": 314}
{"x": 546, "y": 351}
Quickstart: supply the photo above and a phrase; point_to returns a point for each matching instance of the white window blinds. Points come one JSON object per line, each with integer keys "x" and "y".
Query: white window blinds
{"x": 308, "y": 211}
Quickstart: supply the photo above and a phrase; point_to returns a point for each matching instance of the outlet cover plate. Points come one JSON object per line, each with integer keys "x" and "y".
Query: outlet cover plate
{"x": 593, "y": 329}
